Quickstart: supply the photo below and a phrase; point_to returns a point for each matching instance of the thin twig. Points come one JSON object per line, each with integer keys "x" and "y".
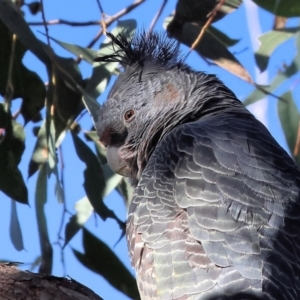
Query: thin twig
{"x": 125, "y": 11}
{"x": 103, "y": 16}
{"x": 65, "y": 22}
{"x": 9, "y": 91}
{"x": 206, "y": 25}
{"x": 260, "y": 88}
{"x": 45, "y": 23}
{"x": 158, "y": 14}
{"x": 62, "y": 222}
{"x": 115, "y": 17}
{"x": 16, "y": 114}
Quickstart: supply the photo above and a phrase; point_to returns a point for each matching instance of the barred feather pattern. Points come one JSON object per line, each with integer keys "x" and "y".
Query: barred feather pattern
{"x": 216, "y": 215}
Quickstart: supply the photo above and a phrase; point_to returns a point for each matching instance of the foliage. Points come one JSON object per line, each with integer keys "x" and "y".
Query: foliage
{"x": 57, "y": 108}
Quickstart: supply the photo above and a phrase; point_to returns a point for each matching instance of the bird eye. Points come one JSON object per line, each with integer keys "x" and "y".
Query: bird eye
{"x": 129, "y": 115}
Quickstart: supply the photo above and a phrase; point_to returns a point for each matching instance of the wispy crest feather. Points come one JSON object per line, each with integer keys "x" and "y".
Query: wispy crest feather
{"x": 143, "y": 47}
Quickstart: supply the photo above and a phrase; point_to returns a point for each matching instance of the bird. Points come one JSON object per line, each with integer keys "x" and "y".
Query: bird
{"x": 215, "y": 212}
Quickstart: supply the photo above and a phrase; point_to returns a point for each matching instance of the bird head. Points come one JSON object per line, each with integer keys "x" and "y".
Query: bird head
{"x": 155, "y": 93}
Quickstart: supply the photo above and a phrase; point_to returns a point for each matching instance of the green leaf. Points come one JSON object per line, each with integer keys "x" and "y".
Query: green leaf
{"x": 40, "y": 201}
{"x": 198, "y": 12}
{"x": 127, "y": 27}
{"x": 91, "y": 105}
{"x": 12, "y": 138}
{"x": 27, "y": 85}
{"x": 102, "y": 71}
{"x": 292, "y": 69}
{"x": 284, "y": 8}
{"x": 94, "y": 180}
{"x": 100, "y": 150}
{"x": 12, "y": 18}
{"x": 290, "y": 120}
{"x": 15, "y": 231}
{"x": 211, "y": 48}
{"x": 40, "y": 152}
{"x": 65, "y": 94}
{"x": 84, "y": 210}
{"x": 85, "y": 53}
{"x": 125, "y": 190}
{"x": 99, "y": 258}
{"x": 269, "y": 42}
{"x": 222, "y": 37}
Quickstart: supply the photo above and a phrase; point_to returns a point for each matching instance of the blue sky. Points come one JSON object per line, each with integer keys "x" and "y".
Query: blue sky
{"x": 235, "y": 25}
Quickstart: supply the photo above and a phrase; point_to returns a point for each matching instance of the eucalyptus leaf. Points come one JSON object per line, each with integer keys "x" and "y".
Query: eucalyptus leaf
{"x": 27, "y": 85}
{"x": 15, "y": 231}
{"x": 290, "y": 121}
{"x": 211, "y": 48}
{"x": 279, "y": 79}
{"x": 85, "y": 53}
{"x": 284, "y": 8}
{"x": 12, "y": 137}
{"x": 94, "y": 180}
{"x": 84, "y": 210}
{"x": 99, "y": 258}
{"x": 269, "y": 42}
{"x": 40, "y": 201}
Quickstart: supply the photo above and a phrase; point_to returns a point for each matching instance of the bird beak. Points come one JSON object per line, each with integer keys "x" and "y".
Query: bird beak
{"x": 116, "y": 163}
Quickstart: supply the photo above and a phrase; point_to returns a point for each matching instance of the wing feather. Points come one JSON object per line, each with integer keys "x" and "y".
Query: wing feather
{"x": 217, "y": 214}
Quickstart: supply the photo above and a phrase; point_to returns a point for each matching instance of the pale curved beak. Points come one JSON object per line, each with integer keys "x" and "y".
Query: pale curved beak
{"x": 116, "y": 163}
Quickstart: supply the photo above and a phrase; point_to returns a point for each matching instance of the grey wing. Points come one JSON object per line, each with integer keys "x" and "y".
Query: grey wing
{"x": 216, "y": 215}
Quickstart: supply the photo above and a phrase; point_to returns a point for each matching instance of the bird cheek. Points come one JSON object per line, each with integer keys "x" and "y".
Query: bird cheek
{"x": 116, "y": 163}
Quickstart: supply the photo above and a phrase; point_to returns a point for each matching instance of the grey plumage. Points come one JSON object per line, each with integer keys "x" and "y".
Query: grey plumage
{"x": 216, "y": 209}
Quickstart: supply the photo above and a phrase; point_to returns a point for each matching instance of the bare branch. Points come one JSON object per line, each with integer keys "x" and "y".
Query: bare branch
{"x": 9, "y": 91}
{"x": 206, "y": 25}
{"x": 45, "y": 23}
{"x": 126, "y": 10}
{"x": 103, "y": 16}
{"x": 65, "y": 22}
{"x": 158, "y": 14}
{"x": 115, "y": 17}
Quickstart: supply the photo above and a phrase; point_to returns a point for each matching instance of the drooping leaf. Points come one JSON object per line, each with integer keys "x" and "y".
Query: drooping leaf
{"x": 64, "y": 93}
{"x": 269, "y": 42}
{"x": 258, "y": 94}
{"x": 94, "y": 180}
{"x": 284, "y": 8}
{"x": 12, "y": 18}
{"x": 125, "y": 190}
{"x": 27, "y": 85}
{"x": 35, "y": 263}
{"x": 96, "y": 84}
{"x": 222, "y": 37}
{"x": 40, "y": 201}
{"x": 84, "y": 210}
{"x": 53, "y": 161}
{"x": 195, "y": 11}
{"x": 40, "y": 152}
{"x": 15, "y": 231}
{"x": 11, "y": 150}
{"x": 91, "y": 105}
{"x": 211, "y": 48}
{"x": 87, "y": 54}
{"x": 99, "y": 258}
{"x": 100, "y": 150}
{"x": 290, "y": 121}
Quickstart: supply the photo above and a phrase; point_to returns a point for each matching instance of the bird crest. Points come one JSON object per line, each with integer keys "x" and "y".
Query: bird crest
{"x": 143, "y": 47}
